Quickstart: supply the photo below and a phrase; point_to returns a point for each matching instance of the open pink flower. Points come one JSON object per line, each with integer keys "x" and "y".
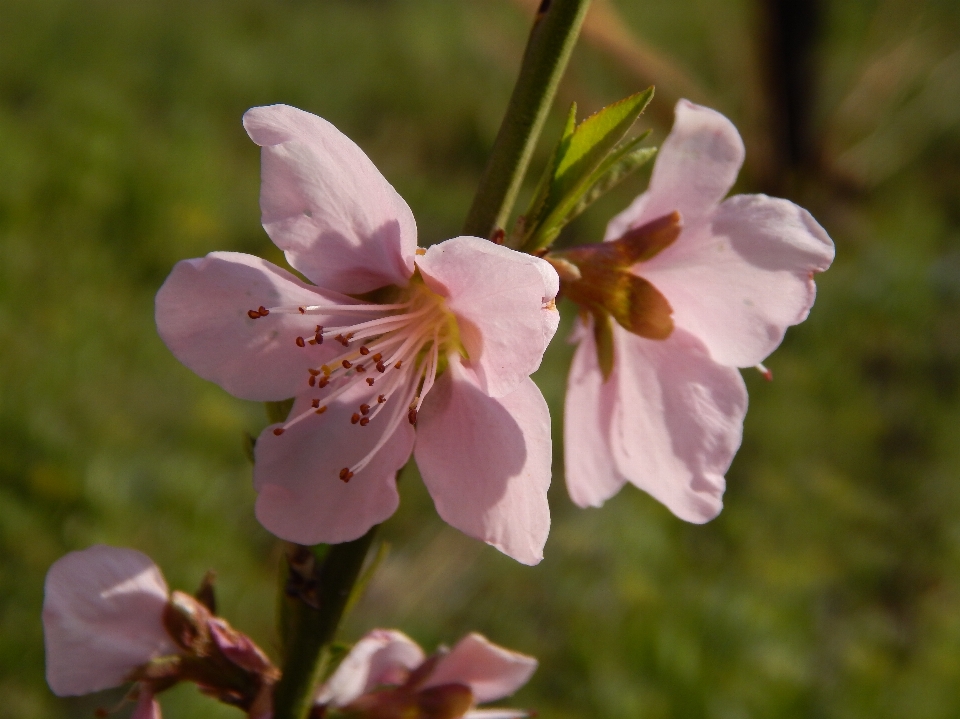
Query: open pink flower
{"x": 386, "y": 674}
{"x": 443, "y": 340}
{"x": 669, "y": 417}
{"x": 102, "y": 620}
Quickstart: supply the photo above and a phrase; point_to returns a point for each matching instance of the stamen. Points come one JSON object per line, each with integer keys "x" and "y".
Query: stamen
{"x": 312, "y": 381}
{"x": 314, "y": 372}
{"x": 278, "y": 431}
{"x": 324, "y": 381}
{"x": 364, "y": 421}
{"x": 397, "y": 365}
{"x": 253, "y": 314}
{"x": 364, "y": 350}
{"x": 300, "y": 342}
{"x": 767, "y": 374}
{"x": 377, "y": 357}
{"x": 364, "y": 409}
{"x": 315, "y": 403}
{"x": 263, "y": 311}
{"x": 321, "y": 410}
{"x": 347, "y": 364}
{"x": 302, "y": 310}
{"x": 381, "y": 399}
{"x": 346, "y": 475}
{"x": 353, "y": 419}
{"x": 370, "y": 381}
{"x": 412, "y": 416}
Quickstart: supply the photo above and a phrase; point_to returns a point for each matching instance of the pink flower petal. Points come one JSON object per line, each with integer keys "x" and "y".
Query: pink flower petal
{"x": 738, "y": 281}
{"x": 591, "y": 474}
{"x": 102, "y": 618}
{"x": 201, "y": 313}
{"x": 382, "y": 657}
{"x": 490, "y": 671}
{"x": 695, "y": 169}
{"x": 678, "y": 421}
{"x": 147, "y": 705}
{"x": 498, "y": 297}
{"x": 486, "y": 461}
{"x": 300, "y": 495}
{"x": 326, "y": 205}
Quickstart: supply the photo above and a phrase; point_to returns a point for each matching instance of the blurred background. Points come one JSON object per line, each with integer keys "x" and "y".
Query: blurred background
{"x": 830, "y": 584}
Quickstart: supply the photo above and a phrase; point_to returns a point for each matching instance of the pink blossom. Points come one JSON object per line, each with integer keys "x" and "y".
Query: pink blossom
{"x": 434, "y": 359}
{"x": 102, "y": 619}
{"x": 669, "y": 417}
{"x": 387, "y": 674}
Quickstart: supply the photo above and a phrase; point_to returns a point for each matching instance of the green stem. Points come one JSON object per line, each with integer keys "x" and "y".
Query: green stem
{"x": 313, "y": 628}
{"x": 548, "y": 50}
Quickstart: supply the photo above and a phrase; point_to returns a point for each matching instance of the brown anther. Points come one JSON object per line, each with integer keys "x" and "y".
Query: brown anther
{"x": 397, "y": 365}
{"x": 311, "y": 342}
{"x": 347, "y": 364}
{"x": 381, "y": 399}
{"x": 498, "y": 236}
{"x": 302, "y": 310}
{"x": 300, "y": 342}
{"x": 253, "y": 314}
{"x": 370, "y": 381}
{"x": 349, "y": 336}
{"x": 355, "y": 418}
{"x": 342, "y": 340}
{"x": 346, "y": 475}
{"x": 381, "y": 367}
{"x": 377, "y": 357}
{"x": 364, "y": 421}
{"x": 315, "y": 403}
{"x": 278, "y": 431}
{"x": 360, "y": 369}
{"x": 263, "y": 311}
{"x": 314, "y": 372}
{"x": 412, "y": 416}
{"x": 319, "y": 328}
{"x": 324, "y": 381}
{"x": 364, "y": 351}
{"x": 364, "y": 409}
{"x": 317, "y": 339}
{"x": 312, "y": 381}
{"x": 321, "y": 410}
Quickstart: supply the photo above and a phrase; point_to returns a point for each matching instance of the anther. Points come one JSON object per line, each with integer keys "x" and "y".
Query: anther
{"x": 364, "y": 421}
{"x": 364, "y": 351}
{"x": 397, "y": 365}
{"x": 278, "y": 431}
{"x": 315, "y": 403}
{"x": 370, "y": 381}
{"x": 314, "y": 372}
{"x": 381, "y": 399}
{"x": 302, "y": 310}
{"x": 360, "y": 369}
{"x": 349, "y": 336}
{"x": 355, "y": 418}
{"x": 346, "y": 475}
{"x": 364, "y": 409}
{"x": 347, "y": 364}
{"x": 263, "y": 311}
{"x": 381, "y": 367}
{"x": 312, "y": 381}
{"x": 312, "y": 342}
{"x": 377, "y": 357}
{"x": 253, "y": 314}
{"x": 342, "y": 340}
{"x": 412, "y": 416}
{"x": 300, "y": 342}
{"x": 324, "y": 381}
{"x": 321, "y": 410}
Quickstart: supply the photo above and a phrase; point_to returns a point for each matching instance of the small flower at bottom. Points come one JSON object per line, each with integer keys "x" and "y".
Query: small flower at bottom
{"x": 387, "y": 675}
{"x": 434, "y": 360}
{"x": 109, "y": 619}
{"x": 687, "y": 288}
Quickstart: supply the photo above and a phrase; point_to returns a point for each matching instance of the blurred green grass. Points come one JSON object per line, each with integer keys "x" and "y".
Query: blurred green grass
{"x": 829, "y": 586}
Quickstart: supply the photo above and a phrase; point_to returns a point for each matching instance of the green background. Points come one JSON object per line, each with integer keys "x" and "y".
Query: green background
{"x": 830, "y": 584}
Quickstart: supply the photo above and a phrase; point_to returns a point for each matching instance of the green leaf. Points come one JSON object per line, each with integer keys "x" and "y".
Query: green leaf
{"x": 617, "y": 166}
{"x": 594, "y": 138}
{"x": 587, "y": 161}
{"x": 361, "y": 586}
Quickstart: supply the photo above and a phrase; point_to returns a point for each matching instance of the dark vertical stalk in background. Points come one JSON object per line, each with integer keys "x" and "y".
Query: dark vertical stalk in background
{"x": 791, "y": 31}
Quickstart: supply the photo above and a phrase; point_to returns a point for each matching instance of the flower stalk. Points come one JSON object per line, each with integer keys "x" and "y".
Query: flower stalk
{"x": 313, "y": 624}
{"x": 551, "y": 41}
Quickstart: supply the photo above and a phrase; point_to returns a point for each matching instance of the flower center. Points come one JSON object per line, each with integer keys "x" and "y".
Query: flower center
{"x": 389, "y": 361}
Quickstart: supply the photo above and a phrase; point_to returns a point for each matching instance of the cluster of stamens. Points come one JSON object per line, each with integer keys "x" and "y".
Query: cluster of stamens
{"x": 395, "y": 354}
